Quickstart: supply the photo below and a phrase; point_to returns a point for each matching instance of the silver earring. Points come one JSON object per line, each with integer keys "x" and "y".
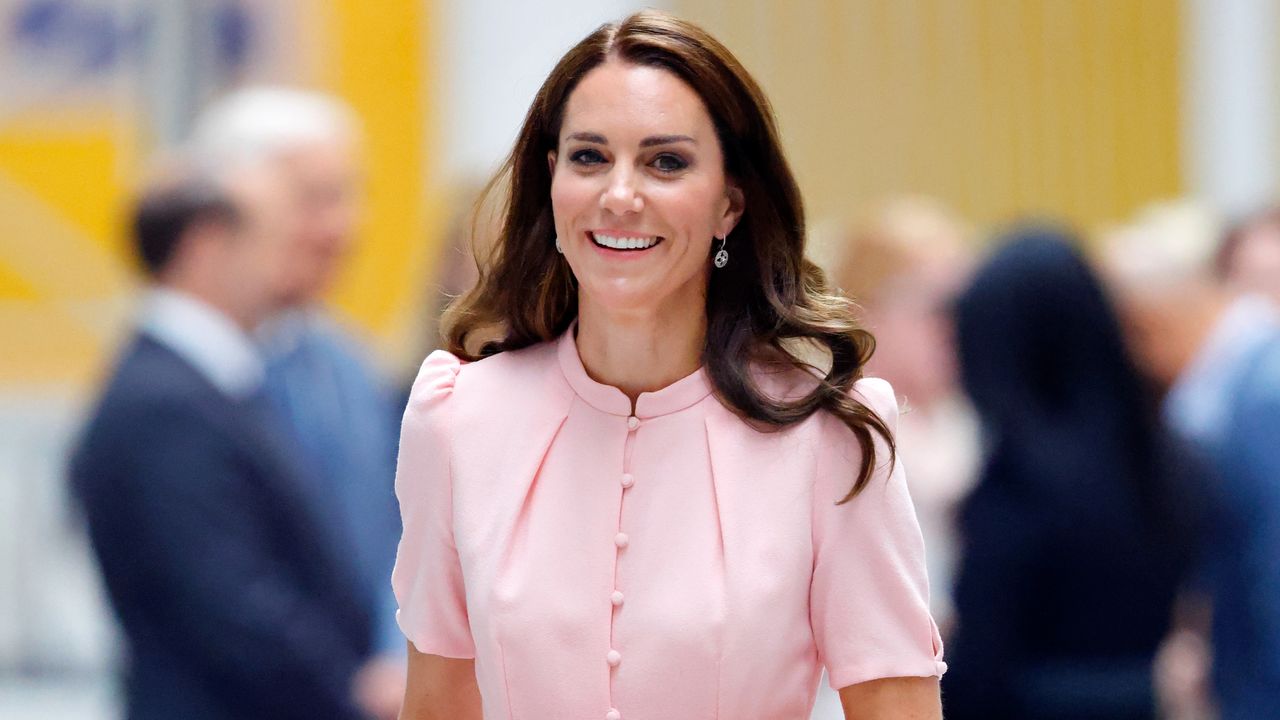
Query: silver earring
{"x": 558, "y": 248}
{"x": 722, "y": 256}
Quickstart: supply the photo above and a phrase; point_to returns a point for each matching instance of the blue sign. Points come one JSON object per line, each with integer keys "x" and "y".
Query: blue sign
{"x": 93, "y": 39}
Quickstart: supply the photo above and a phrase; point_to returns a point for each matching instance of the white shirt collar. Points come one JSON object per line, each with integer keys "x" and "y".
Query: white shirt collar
{"x": 206, "y": 338}
{"x": 1199, "y": 400}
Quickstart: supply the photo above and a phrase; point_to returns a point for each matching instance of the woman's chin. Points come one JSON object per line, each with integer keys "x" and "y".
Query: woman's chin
{"x": 624, "y": 295}
{"x": 625, "y": 301}
{"x": 627, "y": 297}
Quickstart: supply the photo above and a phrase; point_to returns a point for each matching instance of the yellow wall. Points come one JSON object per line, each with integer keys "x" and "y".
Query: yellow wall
{"x": 999, "y": 107}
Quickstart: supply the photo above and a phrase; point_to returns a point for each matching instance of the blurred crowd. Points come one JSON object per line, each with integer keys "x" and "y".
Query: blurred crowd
{"x": 1091, "y": 436}
{"x": 1092, "y": 439}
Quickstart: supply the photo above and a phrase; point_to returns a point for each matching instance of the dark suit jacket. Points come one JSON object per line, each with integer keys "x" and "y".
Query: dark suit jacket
{"x": 236, "y": 597}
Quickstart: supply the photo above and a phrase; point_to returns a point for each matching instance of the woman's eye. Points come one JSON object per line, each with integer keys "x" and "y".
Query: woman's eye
{"x": 667, "y": 162}
{"x": 586, "y": 157}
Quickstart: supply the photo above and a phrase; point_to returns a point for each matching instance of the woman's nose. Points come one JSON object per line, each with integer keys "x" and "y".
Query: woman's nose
{"x": 620, "y": 196}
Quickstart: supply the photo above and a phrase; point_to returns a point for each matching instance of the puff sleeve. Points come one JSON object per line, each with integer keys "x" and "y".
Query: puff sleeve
{"x": 427, "y": 578}
{"x": 869, "y": 598}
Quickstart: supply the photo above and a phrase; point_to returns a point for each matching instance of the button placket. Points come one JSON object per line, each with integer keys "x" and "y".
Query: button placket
{"x": 613, "y": 658}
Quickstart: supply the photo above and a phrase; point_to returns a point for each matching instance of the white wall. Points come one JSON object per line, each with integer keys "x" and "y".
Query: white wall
{"x": 494, "y": 55}
{"x": 1231, "y": 108}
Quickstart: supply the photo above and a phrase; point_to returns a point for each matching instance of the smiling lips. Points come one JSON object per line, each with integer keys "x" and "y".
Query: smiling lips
{"x": 624, "y": 243}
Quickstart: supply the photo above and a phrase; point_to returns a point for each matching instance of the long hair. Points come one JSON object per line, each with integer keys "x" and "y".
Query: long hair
{"x": 771, "y": 307}
{"x": 1044, "y": 359}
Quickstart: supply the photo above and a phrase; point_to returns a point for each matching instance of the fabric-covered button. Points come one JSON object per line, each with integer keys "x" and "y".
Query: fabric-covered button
{"x": 620, "y": 540}
{"x": 633, "y": 422}
{"x": 613, "y": 658}
{"x": 628, "y": 480}
{"x": 616, "y": 598}
{"x": 613, "y": 714}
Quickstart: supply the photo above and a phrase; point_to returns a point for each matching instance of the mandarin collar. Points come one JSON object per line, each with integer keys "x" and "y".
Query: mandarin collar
{"x": 675, "y": 397}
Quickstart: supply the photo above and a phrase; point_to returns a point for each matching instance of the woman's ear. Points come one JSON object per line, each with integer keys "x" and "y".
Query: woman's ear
{"x": 551, "y": 162}
{"x": 734, "y": 208}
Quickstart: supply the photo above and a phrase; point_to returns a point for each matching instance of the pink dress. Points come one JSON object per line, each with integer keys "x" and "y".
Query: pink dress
{"x": 672, "y": 565}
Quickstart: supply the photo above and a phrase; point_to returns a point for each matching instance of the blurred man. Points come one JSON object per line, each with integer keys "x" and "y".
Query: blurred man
{"x": 1218, "y": 355}
{"x": 236, "y": 598}
{"x": 316, "y": 375}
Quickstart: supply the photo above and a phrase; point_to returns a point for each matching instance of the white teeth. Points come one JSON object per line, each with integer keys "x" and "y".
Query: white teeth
{"x": 630, "y": 243}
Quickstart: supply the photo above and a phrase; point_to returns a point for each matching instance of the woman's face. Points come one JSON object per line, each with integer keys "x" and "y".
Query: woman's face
{"x": 638, "y": 190}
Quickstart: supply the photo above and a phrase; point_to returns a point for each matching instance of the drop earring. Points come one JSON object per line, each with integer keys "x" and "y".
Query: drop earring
{"x": 722, "y": 256}
{"x": 558, "y": 248}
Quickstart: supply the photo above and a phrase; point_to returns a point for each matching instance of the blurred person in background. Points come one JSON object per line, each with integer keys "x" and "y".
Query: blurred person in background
{"x": 236, "y": 598}
{"x": 1248, "y": 259}
{"x": 903, "y": 263}
{"x": 1216, "y": 352}
{"x": 1081, "y": 527}
{"x": 317, "y": 374}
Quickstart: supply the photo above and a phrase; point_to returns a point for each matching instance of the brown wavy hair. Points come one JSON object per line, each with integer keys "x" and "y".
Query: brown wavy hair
{"x": 770, "y": 307}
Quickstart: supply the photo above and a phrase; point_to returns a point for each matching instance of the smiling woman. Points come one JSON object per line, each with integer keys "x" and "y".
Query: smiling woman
{"x": 627, "y": 492}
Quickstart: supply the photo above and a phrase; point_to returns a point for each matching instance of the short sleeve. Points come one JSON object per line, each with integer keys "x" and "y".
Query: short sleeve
{"x": 427, "y": 578}
{"x": 869, "y": 599}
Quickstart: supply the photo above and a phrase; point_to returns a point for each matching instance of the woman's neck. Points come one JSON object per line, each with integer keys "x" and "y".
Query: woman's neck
{"x": 640, "y": 352}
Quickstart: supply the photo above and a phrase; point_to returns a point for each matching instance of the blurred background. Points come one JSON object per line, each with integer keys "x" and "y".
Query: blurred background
{"x": 978, "y": 112}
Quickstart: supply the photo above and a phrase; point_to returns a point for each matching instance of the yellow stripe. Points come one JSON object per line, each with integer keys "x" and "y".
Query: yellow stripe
{"x": 75, "y": 166}
{"x": 12, "y": 286}
{"x": 53, "y": 254}
{"x": 378, "y": 63}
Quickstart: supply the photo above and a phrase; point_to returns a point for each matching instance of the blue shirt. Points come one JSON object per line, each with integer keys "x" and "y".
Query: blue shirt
{"x": 343, "y": 417}
{"x": 1228, "y": 403}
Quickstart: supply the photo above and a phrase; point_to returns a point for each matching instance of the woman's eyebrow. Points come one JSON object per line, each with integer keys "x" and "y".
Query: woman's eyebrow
{"x": 665, "y": 140}
{"x": 650, "y": 141}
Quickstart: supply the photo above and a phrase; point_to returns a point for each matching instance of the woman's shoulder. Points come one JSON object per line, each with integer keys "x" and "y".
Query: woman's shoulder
{"x": 785, "y": 382}
{"x": 435, "y": 380}
{"x": 492, "y": 381}
{"x": 879, "y": 397}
